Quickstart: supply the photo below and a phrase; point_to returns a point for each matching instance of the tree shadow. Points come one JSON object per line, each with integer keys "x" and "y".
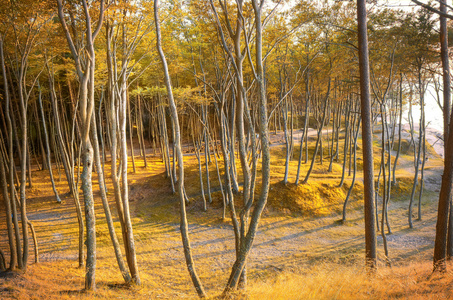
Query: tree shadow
{"x": 119, "y": 286}
{"x": 73, "y": 292}
{"x": 9, "y": 274}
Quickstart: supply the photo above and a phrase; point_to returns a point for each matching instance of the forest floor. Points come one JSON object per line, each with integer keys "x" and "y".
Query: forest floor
{"x": 301, "y": 251}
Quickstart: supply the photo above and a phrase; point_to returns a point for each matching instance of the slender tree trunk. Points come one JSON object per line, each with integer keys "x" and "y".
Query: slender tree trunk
{"x": 400, "y": 125}
{"x": 304, "y": 134}
{"x": 87, "y": 156}
{"x": 116, "y": 171}
{"x": 206, "y": 151}
{"x": 140, "y": 129}
{"x": 46, "y": 138}
{"x": 86, "y": 99}
{"x": 129, "y": 241}
{"x": 384, "y": 173}
{"x": 336, "y": 111}
{"x": 356, "y": 135}
{"x": 422, "y": 155}
{"x": 418, "y": 152}
{"x": 13, "y": 228}
{"x": 444, "y": 54}
{"x": 384, "y": 208}
{"x": 197, "y": 146}
{"x": 41, "y": 144}
{"x": 101, "y": 137}
{"x": 23, "y": 178}
{"x": 224, "y": 197}
{"x": 68, "y": 163}
{"x": 105, "y": 204}
{"x": 180, "y": 184}
{"x": 35, "y": 240}
{"x": 129, "y": 118}
{"x": 166, "y": 146}
{"x": 264, "y": 136}
{"x": 440, "y": 245}
{"x": 346, "y": 143}
{"x": 367, "y": 136}
{"x": 388, "y": 165}
{"x": 7, "y": 202}
{"x": 321, "y": 125}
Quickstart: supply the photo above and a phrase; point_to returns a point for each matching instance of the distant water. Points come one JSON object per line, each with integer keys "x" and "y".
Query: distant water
{"x": 433, "y": 113}
{"x": 434, "y": 119}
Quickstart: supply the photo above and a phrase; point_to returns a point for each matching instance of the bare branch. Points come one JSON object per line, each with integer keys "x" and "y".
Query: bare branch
{"x": 432, "y": 9}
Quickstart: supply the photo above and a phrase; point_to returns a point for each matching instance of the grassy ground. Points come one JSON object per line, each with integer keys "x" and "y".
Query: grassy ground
{"x": 301, "y": 251}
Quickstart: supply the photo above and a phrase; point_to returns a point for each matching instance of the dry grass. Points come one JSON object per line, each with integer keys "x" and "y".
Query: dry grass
{"x": 337, "y": 281}
{"x": 315, "y": 198}
{"x": 324, "y": 280}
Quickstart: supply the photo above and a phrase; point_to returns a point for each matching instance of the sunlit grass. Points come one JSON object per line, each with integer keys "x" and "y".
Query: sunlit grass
{"x": 339, "y": 281}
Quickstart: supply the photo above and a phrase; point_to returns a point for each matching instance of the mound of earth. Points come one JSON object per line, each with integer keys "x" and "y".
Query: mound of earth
{"x": 312, "y": 198}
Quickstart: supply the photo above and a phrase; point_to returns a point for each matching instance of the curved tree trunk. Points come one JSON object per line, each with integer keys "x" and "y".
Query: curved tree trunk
{"x": 35, "y": 240}
{"x": 105, "y": 204}
{"x": 180, "y": 184}
{"x": 264, "y": 136}
{"x": 86, "y": 99}
{"x": 356, "y": 135}
{"x": 129, "y": 243}
{"x": 319, "y": 134}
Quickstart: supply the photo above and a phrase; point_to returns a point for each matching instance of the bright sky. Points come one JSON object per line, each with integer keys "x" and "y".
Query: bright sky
{"x": 403, "y": 4}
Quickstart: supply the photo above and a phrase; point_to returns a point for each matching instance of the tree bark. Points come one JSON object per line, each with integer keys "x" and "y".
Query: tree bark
{"x": 180, "y": 184}
{"x": 105, "y": 204}
{"x": 319, "y": 139}
{"x": 400, "y": 126}
{"x": 264, "y": 136}
{"x": 356, "y": 135}
{"x": 129, "y": 241}
{"x": 8, "y": 199}
{"x": 367, "y": 136}
{"x": 86, "y": 98}
{"x": 305, "y": 129}
{"x": 440, "y": 244}
{"x": 46, "y": 139}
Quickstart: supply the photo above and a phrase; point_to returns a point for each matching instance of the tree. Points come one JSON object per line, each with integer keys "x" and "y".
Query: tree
{"x": 367, "y": 136}
{"x": 180, "y": 184}
{"x": 444, "y": 234}
{"x": 85, "y": 62}
{"x": 444, "y": 55}
{"x": 259, "y": 75}
{"x": 445, "y": 195}
{"x": 22, "y": 26}
{"x": 13, "y": 228}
